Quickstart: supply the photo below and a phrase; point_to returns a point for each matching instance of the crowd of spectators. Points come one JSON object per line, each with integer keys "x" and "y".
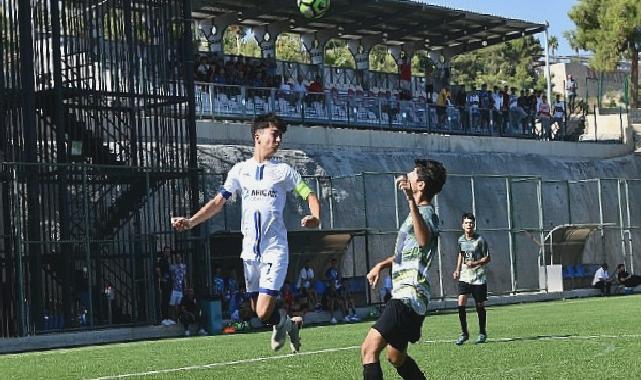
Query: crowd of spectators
{"x": 239, "y": 71}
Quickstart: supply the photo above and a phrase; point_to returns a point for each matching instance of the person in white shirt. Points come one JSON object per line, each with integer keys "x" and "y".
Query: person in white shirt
{"x": 602, "y": 279}
{"x": 306, "y": 283}
{"x": 263, "y": 183}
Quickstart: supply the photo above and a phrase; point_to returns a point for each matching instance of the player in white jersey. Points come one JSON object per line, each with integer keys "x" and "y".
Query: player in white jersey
{"x": 263, "y": 183}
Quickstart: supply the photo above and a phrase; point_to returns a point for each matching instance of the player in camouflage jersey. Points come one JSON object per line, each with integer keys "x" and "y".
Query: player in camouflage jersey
{"x": 416, "y": 243}
{"x": 473, "y": 256}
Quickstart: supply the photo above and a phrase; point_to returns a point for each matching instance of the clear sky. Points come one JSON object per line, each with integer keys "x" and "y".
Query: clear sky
{"x": 554, "y": 11}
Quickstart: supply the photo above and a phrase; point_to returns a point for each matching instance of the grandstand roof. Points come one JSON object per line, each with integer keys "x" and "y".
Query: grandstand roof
{"x": 395, "y": 22}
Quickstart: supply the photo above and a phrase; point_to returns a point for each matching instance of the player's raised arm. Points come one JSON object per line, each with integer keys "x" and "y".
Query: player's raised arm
{"x": 210, "y": 209}
{"x": 374, "y": 273}
{"x": 300, "y": 188}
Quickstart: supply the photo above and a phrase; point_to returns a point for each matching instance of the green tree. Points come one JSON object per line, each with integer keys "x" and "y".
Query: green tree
{"x": 238, "y": 40}
{"x": 611, "y": 29}
{"x": 510, "y": 63}
{"x": 289, "y": 47}
{"x": 553, "y": 43}
{"x": 338, "y": 55}
{"x": 381, "y": 60}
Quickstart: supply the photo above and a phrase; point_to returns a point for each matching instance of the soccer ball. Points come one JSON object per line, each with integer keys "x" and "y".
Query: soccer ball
{"x": 313, "y": 8}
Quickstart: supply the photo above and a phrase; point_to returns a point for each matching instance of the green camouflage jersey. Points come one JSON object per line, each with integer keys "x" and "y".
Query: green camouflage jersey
{"x": 410, "y": 282}
{"x": 473, "y": 250}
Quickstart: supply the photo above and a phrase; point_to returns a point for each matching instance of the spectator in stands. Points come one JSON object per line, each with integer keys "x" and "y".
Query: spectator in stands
{"x": 486, "y": 101}
{"x": 546, "y": 119}
{"x": 570, "y": 91}
{"x": 442, "y": 101}
{"x": 405, "y": 79}
{"x": 299, "y": 88}
{"x": 497, "y": 103}
{"x": 523, "y": 103}
{"x": 316, "y": 85}
{"x": 163, "y": 276}
{"x": 558, "y": 115}
{"x": 190, "y": 313}
{"x": 505, "y": 109}
{"x": 178, "y": 272}
{"x": 626, "y": 279}
{"x": 306, "y": 283}
{"x": 602, "y": 279}
{"x": 219, "y": 76}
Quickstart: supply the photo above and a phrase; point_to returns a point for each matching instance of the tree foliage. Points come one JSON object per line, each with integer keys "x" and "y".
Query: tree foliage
{"x": 510, "y": 63}
{"x": 609, "y": 29}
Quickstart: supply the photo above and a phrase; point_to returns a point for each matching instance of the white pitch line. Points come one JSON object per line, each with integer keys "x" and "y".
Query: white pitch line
{"x": 337, "y": 349}
{"x": 220, "y": 364}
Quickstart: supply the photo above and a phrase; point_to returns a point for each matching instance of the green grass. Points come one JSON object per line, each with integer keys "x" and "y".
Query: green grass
{"x": 603, "y": 341}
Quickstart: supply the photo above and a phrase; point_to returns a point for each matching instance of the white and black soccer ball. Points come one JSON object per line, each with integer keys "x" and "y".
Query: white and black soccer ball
{"x": 313, "y": 8}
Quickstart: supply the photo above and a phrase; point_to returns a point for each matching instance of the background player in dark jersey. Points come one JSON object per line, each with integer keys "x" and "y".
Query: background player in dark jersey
{"x": 473, "y": 256}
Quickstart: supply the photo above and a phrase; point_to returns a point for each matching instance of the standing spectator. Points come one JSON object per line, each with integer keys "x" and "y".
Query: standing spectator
{"x": 473, "y": 104}
{"x": 473, "y": 256}
{"x": 219, "y": 282}
{"x": 334, "y": 289}
{"x": 505, "y": 109}
{"x": 405, "y": 77}
{"x": 523, "y": 103}
{"x": 602, "y": 280}
{"x": 486, "y": 104}
{"x": 299, "y": 88}
{"x": 163, "y": 276}
{"x": 306, "y": 282}
{"x": 546, "y": 119}
{"x": 570, "y": 91}
{"x": 625, "y": 279}
{"x": 558, "y": 114}
{"x": 442, "y": 101}
{"x": 191, "y": 313}
{"x": 178, "y": 271}
{"x": 232, "y": 292}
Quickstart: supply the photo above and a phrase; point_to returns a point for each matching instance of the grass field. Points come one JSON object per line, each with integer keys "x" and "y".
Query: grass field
{"x": 593, "y": 338}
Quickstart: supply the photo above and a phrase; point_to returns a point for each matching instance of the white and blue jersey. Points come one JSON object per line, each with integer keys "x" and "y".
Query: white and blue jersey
{"x": 263, "y": 188}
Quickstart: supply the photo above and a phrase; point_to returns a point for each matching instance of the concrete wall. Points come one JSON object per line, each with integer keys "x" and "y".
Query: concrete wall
{"x": 347, "y": 153}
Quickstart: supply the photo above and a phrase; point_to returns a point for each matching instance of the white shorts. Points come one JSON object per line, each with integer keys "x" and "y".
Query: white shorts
{"x": 175, "y": 297}
{"x": 264, "y": 277}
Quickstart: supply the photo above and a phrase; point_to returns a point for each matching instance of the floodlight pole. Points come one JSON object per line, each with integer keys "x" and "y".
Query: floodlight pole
{"x": 547, "y": 61}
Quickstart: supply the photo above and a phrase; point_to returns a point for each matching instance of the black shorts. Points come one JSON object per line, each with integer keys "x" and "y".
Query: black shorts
{"x": 479, "y": 292}
{"x": 399, "y": 324}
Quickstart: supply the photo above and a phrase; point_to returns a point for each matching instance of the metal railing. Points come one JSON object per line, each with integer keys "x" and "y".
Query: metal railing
{"x": 360, "y": 109}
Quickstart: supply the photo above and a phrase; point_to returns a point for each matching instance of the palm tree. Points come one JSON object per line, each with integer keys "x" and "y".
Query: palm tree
{"x": 553, "y": 43}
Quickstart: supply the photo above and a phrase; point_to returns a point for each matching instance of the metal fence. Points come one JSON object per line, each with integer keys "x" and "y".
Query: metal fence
{"x": 92, "y": 279}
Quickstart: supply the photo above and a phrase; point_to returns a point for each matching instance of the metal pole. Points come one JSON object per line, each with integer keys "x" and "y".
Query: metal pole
{"x": 600, "y": 193}
{"x": 627, "y": 206}
{"x": 473, "y": 189}
{"x": 539, "y": 196}
{"x": 87, "y": 245}
{"x": 331, "y": 204}
{"x": 398, "y": 221}
{"x": 508, "y": 188}
{"x": 22, "y": 314}
{"x": 320, "y": 224}
{"x": 621, "y": 231}
{"x": 547, "y": 61}
{"x": 367, "y": 262}
{"x": 567, "y": 187}
{"x": 440, "y": 255}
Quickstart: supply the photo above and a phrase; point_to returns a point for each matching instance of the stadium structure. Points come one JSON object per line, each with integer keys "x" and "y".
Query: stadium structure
{"x": 106, "y": 134}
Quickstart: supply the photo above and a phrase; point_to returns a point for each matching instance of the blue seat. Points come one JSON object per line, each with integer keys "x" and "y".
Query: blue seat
{"x": 568, "y": 271}
{"x": 579, "y": 271}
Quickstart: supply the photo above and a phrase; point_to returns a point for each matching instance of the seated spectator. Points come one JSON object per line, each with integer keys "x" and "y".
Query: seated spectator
{"x": 626, "y": 279}
{"x": 190, "y": 313}
{"x": 602, "y": 280}
{"x": 316, "y": 85}
{"x": 305, "y": 282}
{"x": 287, "y": 296}
{"x": 345, "y": 296}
